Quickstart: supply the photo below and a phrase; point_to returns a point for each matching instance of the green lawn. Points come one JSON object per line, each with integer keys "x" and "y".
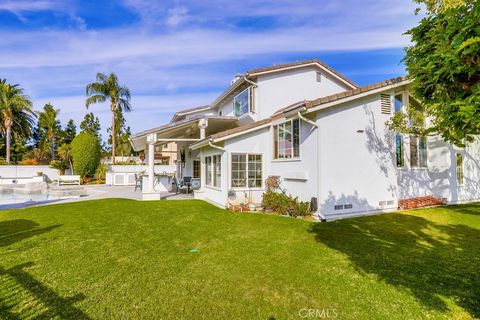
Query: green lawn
{"x": 122, "y": 259}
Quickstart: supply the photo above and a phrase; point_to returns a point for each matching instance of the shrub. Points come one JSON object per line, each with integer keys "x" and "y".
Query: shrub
{"x": 101, "y": 171}
{"x": 285, "y": 205}
{"x": 59, "y": 165}
{"x": 29, "y": 162}
{"x": 85, "y": 154}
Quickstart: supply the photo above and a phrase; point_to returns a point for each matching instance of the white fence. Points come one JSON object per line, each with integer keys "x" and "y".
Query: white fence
{"x": 124, "y": 175}
{"x": 24, "y": 174}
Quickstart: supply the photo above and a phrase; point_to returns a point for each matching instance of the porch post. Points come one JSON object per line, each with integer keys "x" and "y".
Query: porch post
{"x": 151, "y": 159}
{"x": 202, "y": 125}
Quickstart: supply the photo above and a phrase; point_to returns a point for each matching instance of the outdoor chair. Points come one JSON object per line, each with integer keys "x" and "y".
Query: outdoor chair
{"x": 195, "y": 184}
{"x": 138, "y": 181}
{"x": 181, "y": 186}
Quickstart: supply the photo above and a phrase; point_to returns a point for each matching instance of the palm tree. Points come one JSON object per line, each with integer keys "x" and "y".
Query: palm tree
{"x": 65, "y": 154}
{"x": 16, "y": 113}
{"x": 48, "y": 121}
{"x": 107, "y": 88}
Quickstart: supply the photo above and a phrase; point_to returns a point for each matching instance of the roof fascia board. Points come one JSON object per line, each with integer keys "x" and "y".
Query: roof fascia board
{"x": 356, "y": 96}
{"x": 316, "y": 64}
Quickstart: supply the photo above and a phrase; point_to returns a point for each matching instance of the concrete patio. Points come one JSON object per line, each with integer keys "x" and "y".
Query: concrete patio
{"x": 95, "y": 192}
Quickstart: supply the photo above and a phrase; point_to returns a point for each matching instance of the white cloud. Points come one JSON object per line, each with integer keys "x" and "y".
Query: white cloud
{"x": 148, "y": 111}
{"x": 176, "y": 50}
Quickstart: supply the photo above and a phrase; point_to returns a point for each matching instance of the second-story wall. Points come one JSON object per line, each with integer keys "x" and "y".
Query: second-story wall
{"x": 277, "y": 90}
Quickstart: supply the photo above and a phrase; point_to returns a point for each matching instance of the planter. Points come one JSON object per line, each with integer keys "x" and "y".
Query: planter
{"x": 252, "y": 207}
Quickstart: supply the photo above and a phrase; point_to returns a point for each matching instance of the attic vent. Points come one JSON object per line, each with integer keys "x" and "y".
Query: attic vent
{"x": 385, "y": 104}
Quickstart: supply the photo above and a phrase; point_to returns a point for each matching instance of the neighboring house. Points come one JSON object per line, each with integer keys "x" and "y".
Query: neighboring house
{"x": 321, "y": 134}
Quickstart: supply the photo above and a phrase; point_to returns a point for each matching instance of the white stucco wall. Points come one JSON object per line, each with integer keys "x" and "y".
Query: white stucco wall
{"x": 356, "y": 158}
{"x": 278, "y": 90}
{"x": 27, "y": 172}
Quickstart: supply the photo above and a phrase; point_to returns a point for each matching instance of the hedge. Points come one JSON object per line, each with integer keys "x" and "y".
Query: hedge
{"x": 86, "y": 154}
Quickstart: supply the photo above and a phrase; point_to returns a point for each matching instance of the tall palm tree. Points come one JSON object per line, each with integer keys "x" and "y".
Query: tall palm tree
{"x": 16, "y": 113}
{"x": 48, "y": 121}
{"x": 107, "y": 88}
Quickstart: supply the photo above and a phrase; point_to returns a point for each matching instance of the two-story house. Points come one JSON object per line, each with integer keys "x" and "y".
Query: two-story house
{"x": 321, "y": 134}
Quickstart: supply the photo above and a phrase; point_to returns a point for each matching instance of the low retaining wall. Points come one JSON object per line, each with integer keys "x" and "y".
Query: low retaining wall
{"x": 25, "y": 174}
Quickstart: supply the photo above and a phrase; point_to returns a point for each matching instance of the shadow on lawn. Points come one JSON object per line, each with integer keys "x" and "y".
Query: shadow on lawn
{"x": 427, "y": 259}
{"x": 12, "y": 231}
{"x": 18, "y": 286}
{"x": 470, "y": 208}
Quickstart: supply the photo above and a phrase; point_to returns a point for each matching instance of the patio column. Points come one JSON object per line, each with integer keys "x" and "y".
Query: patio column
{"x": 151, "y": 139}
{"x": 202, "y": 125}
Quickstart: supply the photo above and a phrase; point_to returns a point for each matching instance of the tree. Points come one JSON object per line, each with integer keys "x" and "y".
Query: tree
{"x": 91, "y": 124}
{"x": 17, "y": 116}
{"x": 108, "y": 88}
{"x": 444, "y": 64}
{"x": 122, "y": 136}
{"x": 86, "y": 154}
{"x": 48, "y": 121}
{"x": 435, "y": 6}
{"x": 70, "y": 132}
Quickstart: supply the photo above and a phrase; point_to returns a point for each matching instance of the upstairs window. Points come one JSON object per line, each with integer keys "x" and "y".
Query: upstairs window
{"x": 243, "y": 102}
{"x": 286, "y": 140}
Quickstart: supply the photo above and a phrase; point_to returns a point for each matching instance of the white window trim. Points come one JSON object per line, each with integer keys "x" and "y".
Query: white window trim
{"x": 211, "y": 185}
{"x": 417, "y": 167}
{"x": 299, "y": 158}
{"x": 249, "y": 101}
{"x": 462, "y": 183}
{"x": 262, "y": 187}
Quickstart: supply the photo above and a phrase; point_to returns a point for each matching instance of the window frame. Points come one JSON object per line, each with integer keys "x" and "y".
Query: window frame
{"x": 246, "y": 172}
{"x": 199, "y": 168}
{"x": 461, "y": 172}
{"x": 213, "y": 171}
{"x": 249, "y": 102}
{"x": 422, "y": 161}
{"x": 276, "y": 140}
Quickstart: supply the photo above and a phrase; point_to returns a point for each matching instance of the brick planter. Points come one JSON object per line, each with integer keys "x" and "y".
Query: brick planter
{"x": 419, "y": 202}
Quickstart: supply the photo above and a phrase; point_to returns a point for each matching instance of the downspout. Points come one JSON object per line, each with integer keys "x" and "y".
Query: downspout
{"x": 210, "y": 143}
{"x": 254, "y": 85}
{"x": 249, "y": 81}
{"x": 314, "y": 124}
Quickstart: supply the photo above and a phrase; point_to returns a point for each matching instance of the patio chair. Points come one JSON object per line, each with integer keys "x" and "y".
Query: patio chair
{"x": 180, "y": 185}
{"x": 195, "y": 184}
{"x": 138, "y": 181}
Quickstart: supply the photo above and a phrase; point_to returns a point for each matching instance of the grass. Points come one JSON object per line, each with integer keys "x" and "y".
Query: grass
{"x": 122, "y": 259}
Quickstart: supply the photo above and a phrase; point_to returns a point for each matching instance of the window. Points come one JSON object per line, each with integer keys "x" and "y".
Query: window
{"x": 246, "y": 170}
{"x": 208, "y": 171}
{"x": 319, "y": 77}
{"x": 254, "y": 171}
{"x": 398, "y": 103}
{"x": 241, "y": 103}
{"x": 213, "y": 171}
{"x": 217, "y": 170}
{"x": 460, "y": 177}
{"x": 196, "y": 169}
{"x": 287, "y": 140}
{"x": 418, "y": 151}
{"x": 399, "y": 150}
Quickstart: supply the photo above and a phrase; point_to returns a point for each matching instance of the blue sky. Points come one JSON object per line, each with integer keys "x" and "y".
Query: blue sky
{"x": 179, "y": 54}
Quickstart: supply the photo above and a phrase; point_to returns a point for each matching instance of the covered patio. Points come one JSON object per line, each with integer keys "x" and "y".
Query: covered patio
{"x": 183, "y": 133}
